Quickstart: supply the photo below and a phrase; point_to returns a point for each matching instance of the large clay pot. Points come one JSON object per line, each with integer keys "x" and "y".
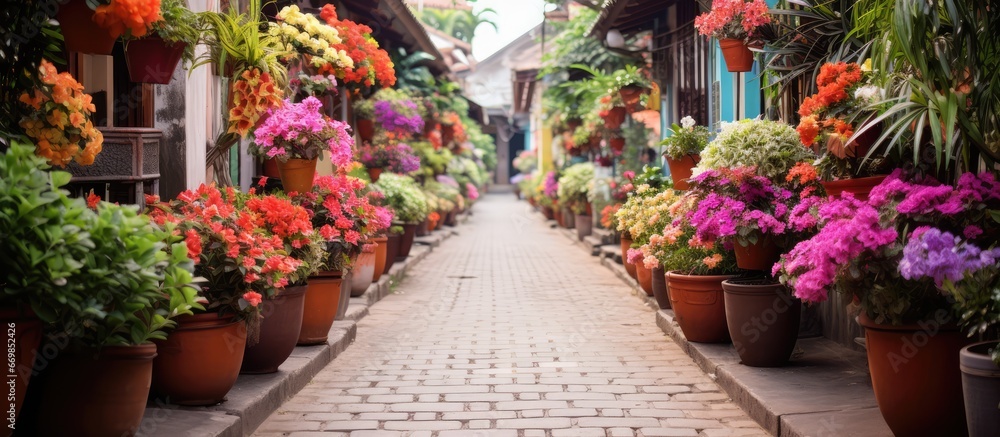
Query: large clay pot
{"x": 617, "y": 145}
{"x": 363, "y": 273}
{"x": 759, "y": 256}
{"x": 447, "y": 133}
{"x": 548, "y": 213}
{"x": 981, "y": 386}
{"x": 152, "y": 60}
{"x": 423, "y": 228}
{"x": 320, "y": 305}
{"x": 738, "y": 56}
{"x": 631, "y": 94}
{"x": 645, "y": 277}
{"x": 916, "y": 376}
{"x": 859, "y": 187}
{"x": 452, "y": 219}
{"x": 392, "y": 249}
{"x": 699, "y": 306}
{"x": 557, "y": 213}
{"x": 200, "y": 360}
{"x": 297, "y": 174}
{"x": 90, "y": 393}
{"x": 374, "y": 173}
{"x": 406, "y": 241}
{"x": 763, "y": 319}
{"x": 680, "y": 170}
{"x": 345, "y": 296}
{"x": 626, "y": 242}
{"x": 569, "y": 220}
{"x": 271, "y": 168}
{"x": 380, "y": 257}
{"x": 80, "y": 32}
{"x": 27, "y": 335}
{"x": 366, "y": 128}
{"x": 660, "y": 291}
{"x": 279, "y": 331}
{"x": 584, "y": 226}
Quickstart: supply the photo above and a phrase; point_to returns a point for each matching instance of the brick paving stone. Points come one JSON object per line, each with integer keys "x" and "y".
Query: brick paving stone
{"x": 508, "y": 330}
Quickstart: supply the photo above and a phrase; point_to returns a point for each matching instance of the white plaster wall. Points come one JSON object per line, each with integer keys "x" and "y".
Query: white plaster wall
{"x": 200, "y": 106}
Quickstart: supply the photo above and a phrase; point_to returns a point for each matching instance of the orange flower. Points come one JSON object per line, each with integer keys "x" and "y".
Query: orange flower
{"x": 808, "y": 130}
{"x": 712, "y": 261}
{"x": 135, "y": 16}
{"x": 93, "y": 200}
{"x": 60, "y": 125}
{"x": 803, "y": 171}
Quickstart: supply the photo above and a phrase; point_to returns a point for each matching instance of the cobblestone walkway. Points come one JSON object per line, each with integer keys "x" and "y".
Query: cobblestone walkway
{"x": 509, "y": 330}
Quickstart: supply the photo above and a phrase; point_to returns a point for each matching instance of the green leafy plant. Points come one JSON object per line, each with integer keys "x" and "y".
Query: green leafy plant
{"x": 404, "y": 196}
{"x": 630, "y": 76}
{"x": 241, "y": 41}
{"x": 574, "y": 184}
{"x": 772, "y": 147}
{"x": 685, "y": 139}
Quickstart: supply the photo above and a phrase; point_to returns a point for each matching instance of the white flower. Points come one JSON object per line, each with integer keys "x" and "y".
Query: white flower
{"x": 866, "y": 93}
{"x": 687, "y": 122}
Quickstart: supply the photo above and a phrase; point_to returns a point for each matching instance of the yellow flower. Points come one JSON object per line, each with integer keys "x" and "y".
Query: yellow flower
{"x": 867, "y": 65}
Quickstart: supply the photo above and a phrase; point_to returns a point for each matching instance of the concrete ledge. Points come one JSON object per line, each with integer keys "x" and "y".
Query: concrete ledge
{"x": 254, "y": 397}
{"x": 824, "y": 391}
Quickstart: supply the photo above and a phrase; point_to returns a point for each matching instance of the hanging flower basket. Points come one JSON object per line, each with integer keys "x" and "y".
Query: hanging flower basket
{"x": 80, "y": 32}
{"x": 631, "y": 95}
{"x": 617, "y": 145}
{"x": 297, "y": 174}
{"x": 366, "y": 129}
{"x": 738, "y": 56}
{"x": 374, "y": 173}
{"x": 153, "y": 60}
{"x": 615, "y": 117}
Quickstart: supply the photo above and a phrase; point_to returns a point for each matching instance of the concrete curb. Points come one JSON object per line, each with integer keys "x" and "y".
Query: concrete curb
{"x": 824, "y": 391}
{"x": 255, "y": 397}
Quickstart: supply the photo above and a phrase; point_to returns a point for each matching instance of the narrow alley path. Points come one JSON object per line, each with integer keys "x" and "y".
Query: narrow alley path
{"x": 510, "y": 330}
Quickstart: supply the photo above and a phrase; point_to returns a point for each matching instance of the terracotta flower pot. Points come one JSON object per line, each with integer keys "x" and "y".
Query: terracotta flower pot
{"x": 80, "y": 32}
{"x": 200, "y": 360}
{"x": 569, "y": 219}
{"x": 548, "y": 213}
{"x": 981, "y": 386}
{"x": 152, "y": 60}
{"x": 271, "y": 168}
{"x": 406, "y": 241}
{"x": 699, "y": 306}
{"x": 363, "y": 273}
{"x": 631, "y": 94}
{"x": 345, "y": 296}
{"x": 447, "y": 133}
{"x": 859, "y": 187}
{"x": 392, "y": 250}
{"x": 557, "y": 214}
{"x": 452, "y": 219}
{"x": 738, "y": 56}
{"x": 626, "y": 242}
{"x": 645, "y": 278}
{"x": 297, "y": 174}
{"x": 380, "y": 257}
{"x": 97, "y": 393}
{"x": 680, "y": 170}
{"x": 916, "y": 376}
{"x": 366, "y": 128}
{"x": 660, "y": 291}
{"x": 617, "y": 145}
{"x": 759, "y": 256}
{"x": 423, "y": 228}
{"x": 27, "y": 335}
{"x": 320, "y": 305}
{"x": 763, "y": 319}
{"x": 374, "y": 173}
{"x": 584, "y": 226}
{"x": 615, "y": 117}
{"x": 279, "y": 331}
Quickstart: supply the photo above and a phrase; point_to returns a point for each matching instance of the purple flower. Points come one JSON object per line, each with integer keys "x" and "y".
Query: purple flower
{"x": 394, "y": 119}
{"x": 942, "y": 256}
{"x": 551, "y": 186}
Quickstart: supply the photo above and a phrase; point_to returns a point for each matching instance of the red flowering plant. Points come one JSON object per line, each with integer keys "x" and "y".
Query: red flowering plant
{"x": 291, "y": 223}
{"x": 240, "y": 262}
{"x": 830, "y": 116}
{"x": 372, "y": 65}
{"x": 733, "y": 19}
{"x": 346, "y": 217}
{"x": 895, "y": 251}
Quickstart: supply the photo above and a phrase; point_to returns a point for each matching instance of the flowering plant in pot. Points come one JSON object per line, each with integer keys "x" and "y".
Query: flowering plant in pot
{"x": 681, "y": 149}
{"x": 574, "y": 185}
{"x": 630, "y": 83}
{"x": 526, "y": 161}
{"x": 109, "y": 291}
{"x": 59, "y": 121}
{"x": 646, "y": 215}
{"x": 392, "y": 111}
{"x": 394, "y": 156}
{"x": 772, "y": 147}
{"x": 296, "y": 134}
{"x": 734, "y": 23}
{"x": 312, "y": 39}
{"x": 408, "y": 203}
{"x": 829, "y": 124}
{"x": 859, "y": 250}
{"x": 371, "y": 64}
{"x": 152, "y": 58}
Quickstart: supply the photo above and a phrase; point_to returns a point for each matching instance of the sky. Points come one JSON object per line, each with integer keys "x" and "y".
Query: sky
{"x": 513, "y": 18}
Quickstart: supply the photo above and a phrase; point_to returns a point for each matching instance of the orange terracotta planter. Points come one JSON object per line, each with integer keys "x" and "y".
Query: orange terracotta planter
{"x": 297, "y": 175}
{"x": 738, "y": 56}
{"x": 366, "y": 129}
{"x": 279, "y": 331}
{"x": 699, "y": 306}
{"x": 759, "y": 256}
{"x": 271, "y": 168}
{"x": 374, "y": 173}
{"x": 362, "y": 273}
{"x": 859, "y": 187}
{"x": 615, "y": 117}
{"x": 680, "y": 170}
{"x": 321, "y": 302}
{"x": 626, "y": 241}
{"x": 631, "y": 94}
{"x": 152, "y": 60}
{"x": 97, "y": 393}
{"x": 200, "y": 360}
{"x": 645, "y": 278}
{"x": 380, "y": 253}
{"x": 916, "y": 375}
